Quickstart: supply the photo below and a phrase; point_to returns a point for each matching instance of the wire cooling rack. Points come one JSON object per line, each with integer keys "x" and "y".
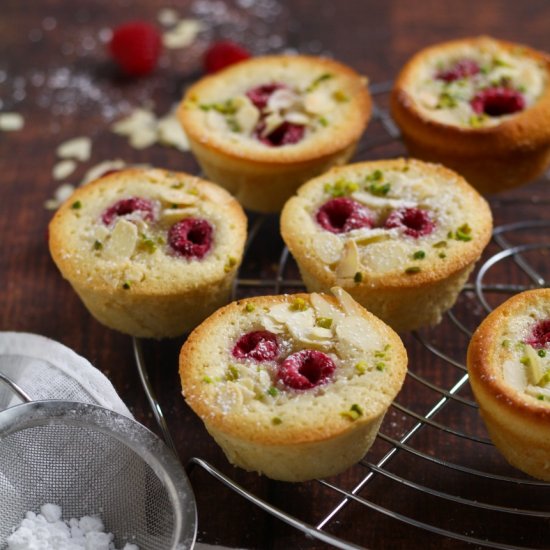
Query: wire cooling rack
{"x": 432, "y": 468}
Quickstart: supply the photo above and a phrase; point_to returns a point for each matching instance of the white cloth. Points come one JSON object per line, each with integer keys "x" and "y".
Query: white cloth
{"x": 46, "y": 369}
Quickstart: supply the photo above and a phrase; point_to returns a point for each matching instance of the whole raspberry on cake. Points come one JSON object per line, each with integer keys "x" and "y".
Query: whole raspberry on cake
{"x": 293, "y": 386}
{"x": 400, "y": 236}
{"x": 509, "y": 370}
{"x": 265, "y": 125}
{"x": 479, "y": 106}
{"x": 151, "y": 253}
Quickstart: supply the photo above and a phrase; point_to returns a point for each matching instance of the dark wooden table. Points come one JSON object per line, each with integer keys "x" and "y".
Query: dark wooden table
{"x": 55, "y": 72}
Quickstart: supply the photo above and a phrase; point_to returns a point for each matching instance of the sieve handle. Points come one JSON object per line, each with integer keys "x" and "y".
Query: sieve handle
{"x": 15, "y": 388}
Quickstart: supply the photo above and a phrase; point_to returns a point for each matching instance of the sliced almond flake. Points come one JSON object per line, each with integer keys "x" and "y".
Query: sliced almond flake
{"x": 141, "y": 139}
{"x": 167, "y": 17}
{"x": 356, "y": 332}
{"x": 535, "y": 369}
{"x": 514, "y": 374}
{"x": 282, "y": 100}
{"x": 348, "y": 304}
{"x": 328, "y": 247}
{"x": 318, "y": 103}
{"x": 247, "y": 115}
{"x": 216, "y": 121}
{"x": 301, "y": 323}
{"x": 11, "y": 122}
{"x": 365, "y": 236}
{"x": 183, "y": 34}
{"x": 78, "y": 148}
{"x": 428, "y": 99}
{"x": 320, "y": 333}
{"x": 273, "y": 325}
{"x": 123, "y": 241}
{"x": 295, "y": 117}
{"x": 280, "y": 313}
{"x": 174, "y": 215}
{"x": 100, "y": 233}
{"x": 138, "y": 120}
{"x": 102, "y": 168}
{"x": 63, "y": 169}
{"x": 535, "y": 391}
{"x": 133, "y": 273}
{"x": 177, "y": 196}
{"x": 61, "y": 194}
{"x": 349, "y": 263}
{"x": 324, "y": 309}
{"x": 272, "y": 121}
{"x": 373, "y": 201}
{"x": 170, "y": 133}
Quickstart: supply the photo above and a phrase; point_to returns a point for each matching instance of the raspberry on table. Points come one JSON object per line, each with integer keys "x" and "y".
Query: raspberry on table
{"x": 414, "y": 221}
{"x": 498, "y": 101}
{"x": 222, "y": 54}
{"x": 461, "y": 69}
{"x": 342, "y": 214}
{"x": 260, "y": 345}
{"x": 191, "y": 237}
{"x": 306, "y": 369}
{"x": 136, "y": 47}
{"x": 128, "y": 206}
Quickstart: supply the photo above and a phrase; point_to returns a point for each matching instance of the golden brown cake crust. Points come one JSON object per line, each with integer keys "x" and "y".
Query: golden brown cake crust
{"x": 492, "y": 158}
{"x": 519, "y": 423}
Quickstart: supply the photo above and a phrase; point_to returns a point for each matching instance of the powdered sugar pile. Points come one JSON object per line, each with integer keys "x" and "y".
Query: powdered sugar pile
{"x": 47, "y": 531}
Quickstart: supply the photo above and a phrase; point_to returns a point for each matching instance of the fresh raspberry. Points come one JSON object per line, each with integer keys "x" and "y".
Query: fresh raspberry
{"x": 341, "y": 215}
{"x": 461, "y": 69}
{"x": 415, "y": 222}
{"x": 191, "y": 237}
{"x": 260, "y": 345}
{"x": 128, "y": 206}
{"x": 498, "y": 101}
{"x": 136, "y": 47}
{"x": 260, "y": 94}
{"x": 222, "y": 54}
{"x": 285, "y": 134}
{"x": 306, "y": 369}
{"x": 540, "y": 336}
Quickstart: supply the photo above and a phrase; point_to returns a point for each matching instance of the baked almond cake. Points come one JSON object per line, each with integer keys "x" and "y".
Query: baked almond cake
{"x": 509, "y": 370}
{"x": 263, "y": 126}
{"x": 293, "y": 386}
{"x": 401, "y": 236}
{"x": 480, "y": 106}
{"x": 151, "y": 253}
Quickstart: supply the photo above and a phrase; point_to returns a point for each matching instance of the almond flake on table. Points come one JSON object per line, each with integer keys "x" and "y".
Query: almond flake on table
{"x": 63, "y": 169}
{"x": 102, "y": 168}
{"x": 11, "y": 122}
{"x": 183, "y": 34}
{"x": 171, "y": 133}
{"x": 167, "y": 17}
{"x": 61, "y": 194}
{"x": 78, "y": 148}
{"x": 139, "y": 127}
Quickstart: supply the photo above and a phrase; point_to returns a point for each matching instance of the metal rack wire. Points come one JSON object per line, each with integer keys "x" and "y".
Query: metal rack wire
{"x": 447, "y": 418}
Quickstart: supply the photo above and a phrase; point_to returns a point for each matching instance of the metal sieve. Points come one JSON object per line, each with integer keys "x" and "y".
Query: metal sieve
{"x": 91, "y": 460}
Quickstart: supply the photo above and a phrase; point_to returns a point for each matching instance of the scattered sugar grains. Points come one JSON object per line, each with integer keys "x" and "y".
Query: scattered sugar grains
{"x": 47, "y": 531}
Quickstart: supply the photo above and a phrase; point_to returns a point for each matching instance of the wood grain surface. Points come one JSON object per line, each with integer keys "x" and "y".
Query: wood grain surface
{"x": 55, "y": 71}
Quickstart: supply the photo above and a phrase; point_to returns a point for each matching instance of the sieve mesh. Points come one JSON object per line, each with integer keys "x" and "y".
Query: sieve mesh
{"x": 67, "y": 458}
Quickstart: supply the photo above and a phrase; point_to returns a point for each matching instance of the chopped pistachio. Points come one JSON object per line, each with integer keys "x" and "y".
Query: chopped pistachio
{"x": 476, "y": 121}
{"x": 317, "y": 81}
{"x": 377, "y": 175}
{"x": 76, "y": 205}
{"x": 499, "y": 62}
{"x": 379, "y": 189}
{"x": 412, "y": 270}
{"x": 273, "y": 391}
{"x": 340, "y": 96}
{"x": 380, "y": 366}
{"x": 249, "y": 308}
{"x": 323, "y": 121}
{"x": 125, "y": 285}
{"x": 234, "y": 126}
{"x": 232, "y": 373}
{"x": 354, "y": 412}
{"x": 446, "y": 101}
{"x": 276, "y": 421}
{"x": 463, "y": 233}
{"x": 230, "y": 264}
{"x": 207, "y": 379}
{"x": 298, "y": 304}
{"x": 541, "y": 353}
{"x": 440, "y": 244}
{"x": 442, "y": 255}
{"x": 226, "y": 108}
{"x": 98, "y": 245}
{"x": 148, "y": 243}
{"x": 341, "y": 188}
{"x": 505, "y": 343}
{"x": 361, "y": 367}
{"x": 324, "y": 322}
{"x": 419, "y": 255}
{"x": 178, "y": 185}
{"x": 358, "y": 277}
{"x": 540, "y": 397}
